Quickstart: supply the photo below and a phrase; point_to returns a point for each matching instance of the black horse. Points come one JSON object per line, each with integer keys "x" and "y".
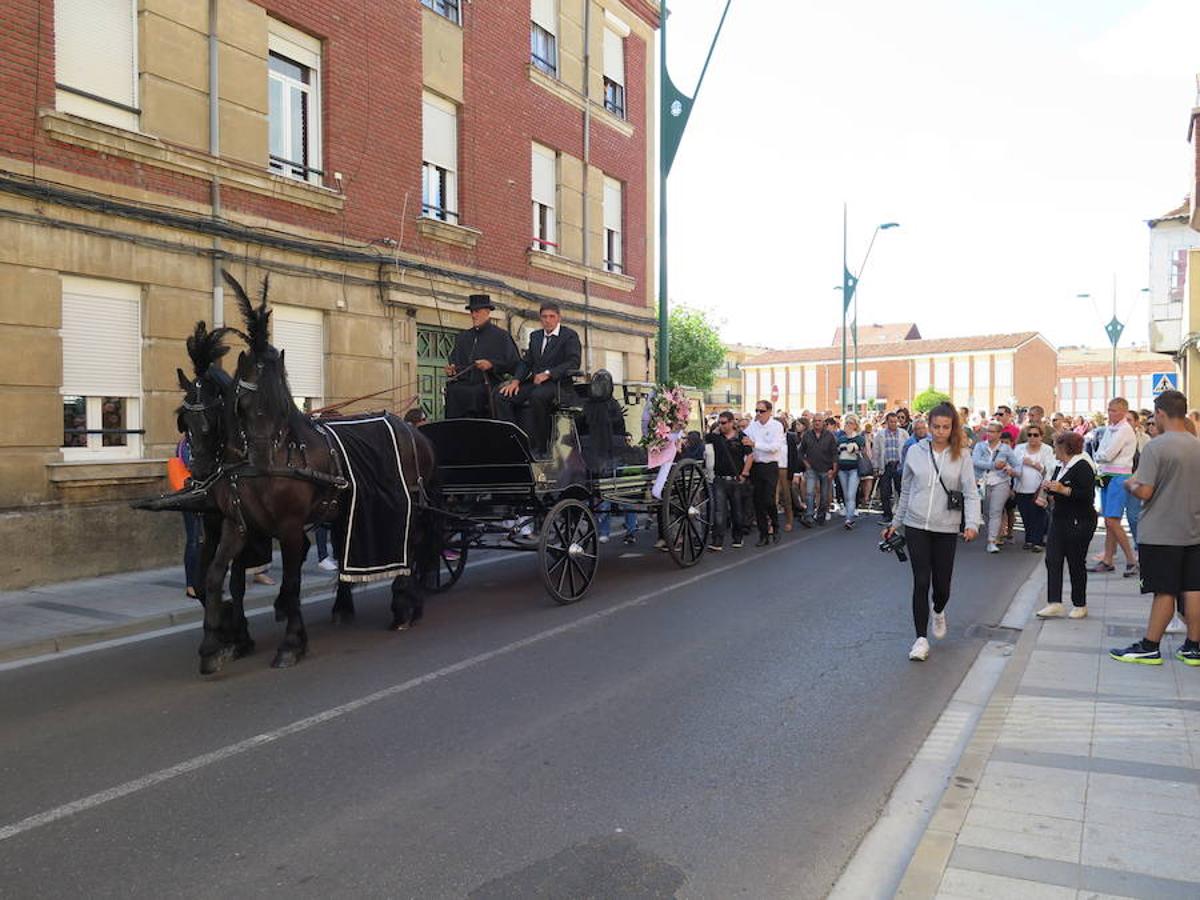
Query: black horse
{"x": 202, "y": 418}
{"x": 281, "y": 473}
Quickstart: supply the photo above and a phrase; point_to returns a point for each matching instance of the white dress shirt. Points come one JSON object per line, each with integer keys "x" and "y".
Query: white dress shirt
{"x": 768, "y": 440}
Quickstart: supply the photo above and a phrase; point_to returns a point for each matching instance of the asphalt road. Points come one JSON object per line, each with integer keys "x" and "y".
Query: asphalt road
{"x": 728, "y": 730}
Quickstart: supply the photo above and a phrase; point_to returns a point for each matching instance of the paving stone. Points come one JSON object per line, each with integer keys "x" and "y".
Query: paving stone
{"x": 1115, "y": 846}
{"x": 965, "y": 883}
{"x": 1034, "y": 845}
{"x": 1050, "y": 828}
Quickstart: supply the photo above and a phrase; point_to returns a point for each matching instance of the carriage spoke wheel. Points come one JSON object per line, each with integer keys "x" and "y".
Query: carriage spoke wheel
{"x": 450, "y": 563}
{"x": 683, "y": 515}
{"x": 568, "y": 550}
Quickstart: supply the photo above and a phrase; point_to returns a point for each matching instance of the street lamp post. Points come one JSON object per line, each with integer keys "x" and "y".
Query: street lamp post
{"x": 849, "y": 284}
{"x": 1114, "y": 329}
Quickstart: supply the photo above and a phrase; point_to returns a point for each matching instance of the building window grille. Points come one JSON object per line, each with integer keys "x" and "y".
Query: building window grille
{"x": 446, "y": 8}
{"x": 614, "y": 97}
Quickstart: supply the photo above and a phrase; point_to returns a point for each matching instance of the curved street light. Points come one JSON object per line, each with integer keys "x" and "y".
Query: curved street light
{"x": 849, "y": 284}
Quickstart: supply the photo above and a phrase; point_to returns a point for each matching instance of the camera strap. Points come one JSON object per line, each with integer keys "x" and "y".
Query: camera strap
{"x": 933, "y": 459}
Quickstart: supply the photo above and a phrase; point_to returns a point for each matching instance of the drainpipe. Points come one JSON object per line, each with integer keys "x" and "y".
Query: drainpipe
{"x": 587, "y": 153}
{"x": 214, "y": 149}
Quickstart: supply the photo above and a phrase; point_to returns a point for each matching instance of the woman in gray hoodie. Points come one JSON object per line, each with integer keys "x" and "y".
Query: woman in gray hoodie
{"x": 938, "y": 494}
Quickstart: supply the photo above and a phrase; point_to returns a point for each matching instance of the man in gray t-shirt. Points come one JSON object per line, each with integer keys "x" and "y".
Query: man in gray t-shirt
{"x": 1168, "y": 484}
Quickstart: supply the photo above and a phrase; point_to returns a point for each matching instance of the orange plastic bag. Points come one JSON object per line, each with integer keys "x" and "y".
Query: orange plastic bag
{"x": 177, "y": 473}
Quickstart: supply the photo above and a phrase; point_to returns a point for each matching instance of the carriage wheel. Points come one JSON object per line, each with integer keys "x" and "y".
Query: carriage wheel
{"x": 450, "y": 564}
{"x": 568, "y": 550}
{"x": 683, "y": 515}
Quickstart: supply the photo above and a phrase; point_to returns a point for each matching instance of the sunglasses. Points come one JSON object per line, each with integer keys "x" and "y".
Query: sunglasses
{"x": 1033, "y": 433}
{"x": 762, "y": 410}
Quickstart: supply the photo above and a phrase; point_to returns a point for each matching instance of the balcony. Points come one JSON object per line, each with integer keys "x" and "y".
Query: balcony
{"x": 723, "y": 399}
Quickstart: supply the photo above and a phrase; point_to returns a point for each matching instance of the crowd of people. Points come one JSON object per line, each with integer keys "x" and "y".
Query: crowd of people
{"x": 951, "y": 475}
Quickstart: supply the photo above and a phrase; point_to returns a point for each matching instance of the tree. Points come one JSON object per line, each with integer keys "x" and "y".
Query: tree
{"x": 695, "y": 347}
{"x": 928, "y": 399}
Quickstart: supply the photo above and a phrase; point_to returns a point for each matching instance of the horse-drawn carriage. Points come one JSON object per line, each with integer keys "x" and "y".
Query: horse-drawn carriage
{"x": 493, "y": 493}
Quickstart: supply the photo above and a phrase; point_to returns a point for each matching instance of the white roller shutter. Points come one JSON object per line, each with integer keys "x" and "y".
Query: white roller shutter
{"x": 439, "y": 132}
{"x": 95, "y": 47}
{"x": 614, "y": 57}
{"x": 545, "y": 14}
{"x": 101, "y": 338}
{"x": 612, "y": 204}
{"x": 301, "y": 334}
{"x": 545, "y": 176}
{"x": 614, "y": 361}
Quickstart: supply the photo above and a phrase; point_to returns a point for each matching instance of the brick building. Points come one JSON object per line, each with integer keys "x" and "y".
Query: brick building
{"x": 977, "y": 372}
{"x": 1085, "y": 378}
{"x": 380, "y": 161}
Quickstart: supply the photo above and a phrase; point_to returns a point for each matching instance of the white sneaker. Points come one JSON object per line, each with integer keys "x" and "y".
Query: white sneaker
{"x": 939, "y": 625}
{"x": 1051, "y": 611}
{"x": 1176, "y": 626}
{"x": 603, "y": 538}
{"x": 920, "y": 650}
{"x": 992, "y": 548}
{"x": 328, "y": 564}
{"x": 1077, "y": 612}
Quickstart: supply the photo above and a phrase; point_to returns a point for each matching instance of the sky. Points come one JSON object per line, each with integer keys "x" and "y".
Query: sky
{"x": 1020, "y": 144}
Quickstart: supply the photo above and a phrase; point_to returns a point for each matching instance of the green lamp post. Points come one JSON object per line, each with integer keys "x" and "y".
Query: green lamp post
{"x": 849, "y": 285}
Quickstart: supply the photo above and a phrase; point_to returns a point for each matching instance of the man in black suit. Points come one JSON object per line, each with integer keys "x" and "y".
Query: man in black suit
{"x": 554, "y": 353}
{"x": 484, "y": 355}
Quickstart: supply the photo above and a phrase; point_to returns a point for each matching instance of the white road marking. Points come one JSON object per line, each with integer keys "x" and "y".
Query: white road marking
{"x": 268, "y": 737}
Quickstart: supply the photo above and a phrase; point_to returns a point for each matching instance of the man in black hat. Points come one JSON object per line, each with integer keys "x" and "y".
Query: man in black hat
{"x": 554, "y": 353}
{"x": 483, "y": 356}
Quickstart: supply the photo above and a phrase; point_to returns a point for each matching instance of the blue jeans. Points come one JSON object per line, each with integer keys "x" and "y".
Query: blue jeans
{"x": 1133, "y": 512}
{"x": 848, "y": 478}
{"x": 605, "y": 521}
{"x": 191, "y": 550}
{"x": 818, "y": 484}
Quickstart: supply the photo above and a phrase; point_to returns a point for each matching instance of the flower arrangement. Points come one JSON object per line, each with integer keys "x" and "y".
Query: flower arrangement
{"x": 669, "y": 412}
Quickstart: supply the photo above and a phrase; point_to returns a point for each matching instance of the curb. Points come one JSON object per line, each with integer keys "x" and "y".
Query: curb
{"x": 905, "y": 852}
{"x": 157, "y": 622}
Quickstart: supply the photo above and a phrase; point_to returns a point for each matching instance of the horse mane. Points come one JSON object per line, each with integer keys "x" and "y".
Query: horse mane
{"x": 258, "y": 319}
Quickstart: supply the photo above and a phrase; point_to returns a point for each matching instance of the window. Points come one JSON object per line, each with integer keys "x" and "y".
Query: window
{"x": 870, "y": 384}
{"x": 1066, "y": 392}
{"x": 439, "y": 180}
{"x": 543, "y": 36}
{"x": 962, "y": 381}
{"x": 614, "y": 361}
{"x": 613, "y": 255}
{"x": 1099, "y": 393}
{"x": 545, "y": 190}
{"x": 941, "y": 375}
{"x": 102, "y": 369}
{"x": 810, "y": 387}
{"x": 294, "y": 102}
{"x": 95, "y": 60}
{"x": 300, "y": 332}
{"x": 983, "y": 375}
{"x": 1129, "y": 390}
{"x": 1178, "y": 276}
{"x": 446, "y": 8}
{"x": 614, "y": 69}
{"x": 1004, "y": 376}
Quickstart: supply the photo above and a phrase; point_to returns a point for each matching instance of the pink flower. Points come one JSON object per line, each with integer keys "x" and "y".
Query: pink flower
{"x": 662, "y": 429}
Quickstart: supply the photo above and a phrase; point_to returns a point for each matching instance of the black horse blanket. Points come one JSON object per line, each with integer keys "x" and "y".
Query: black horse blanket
{"x": 377, "y": 510}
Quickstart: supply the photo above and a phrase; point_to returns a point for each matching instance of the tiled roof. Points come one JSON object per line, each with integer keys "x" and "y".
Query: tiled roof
{"x": 898, "y": 348}
{"x": 1182, "y": 211}
{"x": 881, "y": 334}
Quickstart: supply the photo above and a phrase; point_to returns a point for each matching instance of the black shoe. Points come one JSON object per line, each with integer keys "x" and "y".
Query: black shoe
{"x": 1137, "y": 653}
{"x": 763, "y": 541}
{"x": 821, "y": 520}
{"x": 806, "y": 521}
{"x": 1028, "y": 545}
{"x": 736, "y": 545}
{"x": 775, "y": 537}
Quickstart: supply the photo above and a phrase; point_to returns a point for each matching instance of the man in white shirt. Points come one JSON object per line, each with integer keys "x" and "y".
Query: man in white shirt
{"x": 1114, "y": 458}
{"x": 764, "y": 436}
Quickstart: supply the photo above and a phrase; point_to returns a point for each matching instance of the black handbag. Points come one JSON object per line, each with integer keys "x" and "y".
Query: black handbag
{"x": 955, "y": 501}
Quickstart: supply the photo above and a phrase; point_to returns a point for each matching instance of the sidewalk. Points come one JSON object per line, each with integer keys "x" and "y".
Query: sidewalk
{"x": 57, "y": 617}
{"x": 1083, "y": 778}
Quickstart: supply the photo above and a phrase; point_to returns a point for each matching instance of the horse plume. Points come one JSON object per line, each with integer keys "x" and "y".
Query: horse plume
{"x": 257, "y": 320}
{"x": 205, "y": 347}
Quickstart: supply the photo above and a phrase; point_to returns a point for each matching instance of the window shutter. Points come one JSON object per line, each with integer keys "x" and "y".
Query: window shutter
{"x": 545, "y": 178}
{"x": 612, "y": 204}
{"x": 614, "y": 57}
{"x": 101, "y": 338}
{"x": 543, "y": 12}
{"x": 614, "y": 361}
{"x": 301, "y": 334}
{"x": 439, "y": 133}
{"x": 94, "y": 44}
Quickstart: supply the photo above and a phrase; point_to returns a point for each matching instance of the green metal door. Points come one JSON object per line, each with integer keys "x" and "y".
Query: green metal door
{"x": 433, "y": 353}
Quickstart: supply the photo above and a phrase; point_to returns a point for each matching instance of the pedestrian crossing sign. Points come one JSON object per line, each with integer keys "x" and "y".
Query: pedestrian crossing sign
{"x": 1165, "y": 381}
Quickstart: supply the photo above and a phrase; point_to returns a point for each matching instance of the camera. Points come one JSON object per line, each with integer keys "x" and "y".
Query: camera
{"x": 895, "y": 543}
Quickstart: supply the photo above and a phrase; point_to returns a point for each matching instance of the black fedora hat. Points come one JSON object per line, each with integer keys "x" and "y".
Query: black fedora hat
{"x": 479, "y": 301}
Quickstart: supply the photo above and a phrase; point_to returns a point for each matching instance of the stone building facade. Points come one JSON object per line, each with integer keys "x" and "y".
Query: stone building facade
{"x": 379, "y": 161}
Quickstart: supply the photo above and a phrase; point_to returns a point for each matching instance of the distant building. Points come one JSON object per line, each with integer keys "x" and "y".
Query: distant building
{"x": 1171, "y": 239}
{"x": 880, "y": 334}
{"x": 978, "y": 372}
{"x": 1085, "y": 376}
{"x": 726, "y": 392}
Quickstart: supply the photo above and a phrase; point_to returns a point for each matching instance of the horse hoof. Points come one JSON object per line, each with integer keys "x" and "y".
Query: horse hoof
{"x": 243, "y": 649}
{"x": 211, "y": 665}
{"x": 285, "y": 659}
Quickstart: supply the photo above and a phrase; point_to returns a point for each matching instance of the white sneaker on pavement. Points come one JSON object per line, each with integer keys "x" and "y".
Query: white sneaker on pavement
{"x": 1077, "y": 612}
{"x": 992, "y": 548}
{"x": 919, "y": 651}
{"x": 939, "y": 625}
{"x": 328, "y": 564}
{"x": 603, "y": 539}
{"x": 1051, "y": 611}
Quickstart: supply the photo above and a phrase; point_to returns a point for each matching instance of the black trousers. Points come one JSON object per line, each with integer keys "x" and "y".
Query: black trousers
{"x": 889, "y": 484}
{"x": 530, "y": 407}
{"x": 466, "y": 399}
{"x": 931, "y": 554}
{"x": 1072, "y": 549}
{"x": 765, "y": 479}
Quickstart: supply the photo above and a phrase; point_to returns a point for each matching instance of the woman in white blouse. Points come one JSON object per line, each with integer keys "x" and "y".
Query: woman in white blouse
{"x": 1035, "y": 462}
